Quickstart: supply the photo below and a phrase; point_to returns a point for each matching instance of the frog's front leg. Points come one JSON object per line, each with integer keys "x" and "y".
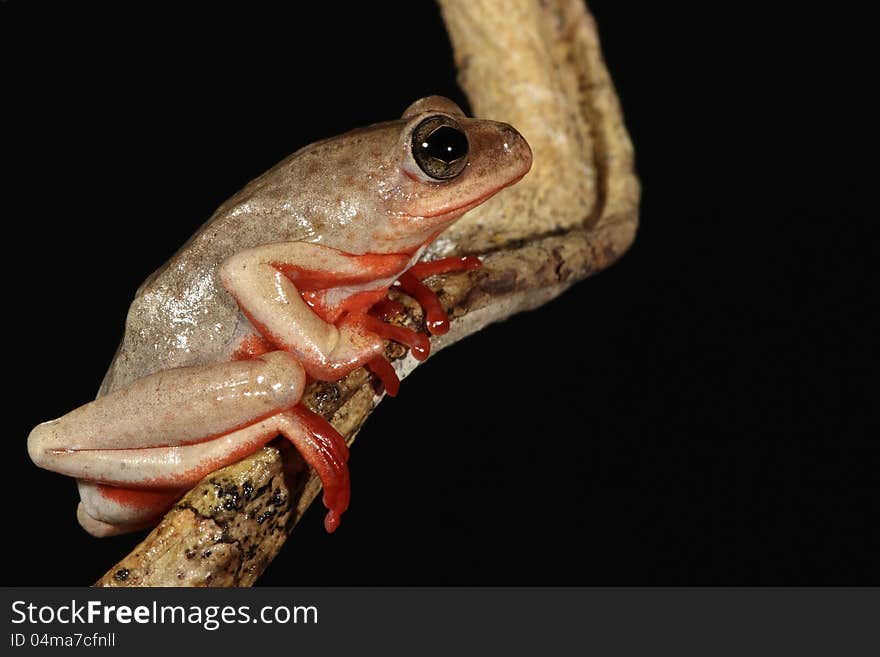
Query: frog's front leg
{"x": 331, "y": 335}
{"x": 136, "y": 450}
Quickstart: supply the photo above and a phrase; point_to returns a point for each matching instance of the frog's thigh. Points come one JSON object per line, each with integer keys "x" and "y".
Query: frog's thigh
{"x": 165, "y": 428}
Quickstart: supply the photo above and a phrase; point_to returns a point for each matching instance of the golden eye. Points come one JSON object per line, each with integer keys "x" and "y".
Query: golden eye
{"x": 440, "y": 147}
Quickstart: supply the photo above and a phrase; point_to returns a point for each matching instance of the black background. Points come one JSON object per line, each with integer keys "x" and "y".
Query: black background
{"x": 701, "y": 413}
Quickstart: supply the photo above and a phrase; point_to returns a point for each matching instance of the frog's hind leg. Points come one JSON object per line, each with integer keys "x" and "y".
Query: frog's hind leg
{"x": 129, "y": 489}
{"x": 127, "y": 503}
{"x": 164, "y": 432}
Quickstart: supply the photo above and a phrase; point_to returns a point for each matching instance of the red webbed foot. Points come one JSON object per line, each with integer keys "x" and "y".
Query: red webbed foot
{"x": 418, "y": 343}
{"x": 410, "y": 282}
{"x": 382, "y": 369}
{"x": 386, "y": 309}
{"x": 325, "y": 450}
{"x": 423, "y": 270}
{"x": 436, "y": 320}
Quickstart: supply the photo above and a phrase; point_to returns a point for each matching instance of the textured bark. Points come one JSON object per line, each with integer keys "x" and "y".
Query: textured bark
{"x": 536, "y": 65}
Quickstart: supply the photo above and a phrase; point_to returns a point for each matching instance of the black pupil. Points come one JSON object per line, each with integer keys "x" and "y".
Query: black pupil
{"x": 445, "y": 144}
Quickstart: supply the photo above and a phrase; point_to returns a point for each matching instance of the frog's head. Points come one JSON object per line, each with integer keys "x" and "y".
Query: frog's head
{"x": 450, "y": 163}
{"x": 403, "y": 182}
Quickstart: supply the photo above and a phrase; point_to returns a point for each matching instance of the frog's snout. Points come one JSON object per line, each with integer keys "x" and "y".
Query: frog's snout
{"x": 516, "y": 152}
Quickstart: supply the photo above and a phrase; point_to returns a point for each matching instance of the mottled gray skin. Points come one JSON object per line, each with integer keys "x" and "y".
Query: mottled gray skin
{"x": 360, "y": 192}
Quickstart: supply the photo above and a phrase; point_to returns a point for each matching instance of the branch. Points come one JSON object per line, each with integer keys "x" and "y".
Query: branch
{"x": 538, "y": 66}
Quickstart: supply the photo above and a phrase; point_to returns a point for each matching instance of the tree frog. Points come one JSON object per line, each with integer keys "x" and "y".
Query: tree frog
{"x": 285, "y": 283}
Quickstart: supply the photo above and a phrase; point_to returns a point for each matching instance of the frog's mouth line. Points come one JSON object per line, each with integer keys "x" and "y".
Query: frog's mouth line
{"x": 461, "y": 209}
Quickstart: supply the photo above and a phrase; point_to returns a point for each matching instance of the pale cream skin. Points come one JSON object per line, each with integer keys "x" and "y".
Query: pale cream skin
{"x": 355, "y": 209}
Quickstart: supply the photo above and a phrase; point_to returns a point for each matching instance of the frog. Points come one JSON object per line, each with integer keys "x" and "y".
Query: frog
{"x": 286, "y": 283}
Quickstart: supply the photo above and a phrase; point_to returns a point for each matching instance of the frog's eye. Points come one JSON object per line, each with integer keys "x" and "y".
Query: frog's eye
{"x": 440, "y": 147}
